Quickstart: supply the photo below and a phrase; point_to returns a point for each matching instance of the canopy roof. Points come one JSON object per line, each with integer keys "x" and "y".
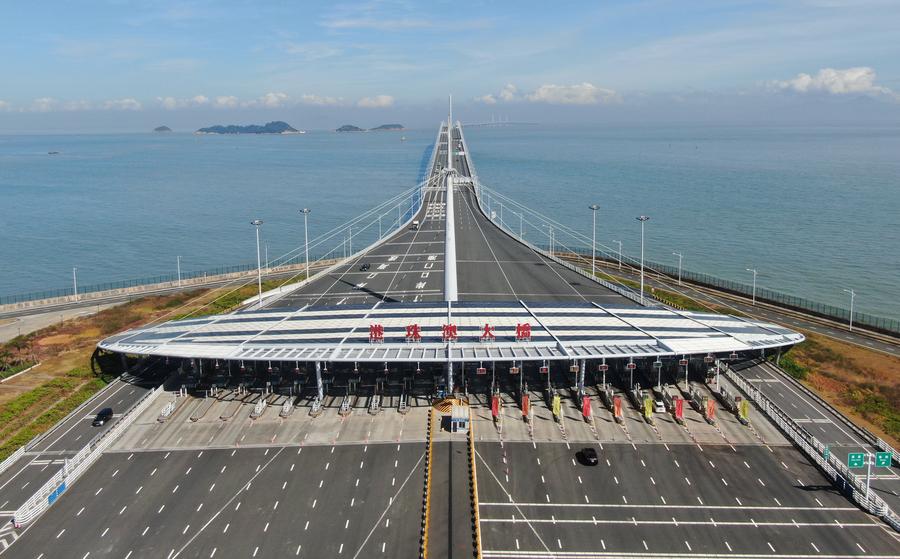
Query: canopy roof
{"x": 559, "y": 331}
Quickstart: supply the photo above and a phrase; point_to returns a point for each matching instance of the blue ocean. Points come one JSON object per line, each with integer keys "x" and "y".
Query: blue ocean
{"x": 815, "y": 210}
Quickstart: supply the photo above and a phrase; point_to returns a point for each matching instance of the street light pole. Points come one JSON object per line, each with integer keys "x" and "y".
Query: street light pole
{"x": 178, "y": 258}
{"x": 642, "y": 219}
{"x": 75, "y": 281}
{"x": 594, "y": 208}
{"x": 678, "y": 254}
{"x": 852, "y": 297}
{"x": 620, "y": 253}
{"x": 754, "y": 284}
{"x": 305, "y": 212}
{"x": 267, "y": 257}
{"x": 521, "y": 225}
{"x": 257, "y": 223}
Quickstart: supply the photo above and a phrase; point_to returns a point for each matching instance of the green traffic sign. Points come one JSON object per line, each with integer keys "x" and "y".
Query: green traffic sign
{"x": 856, "y": 460}
{"x": 882, "y": 459}
{"x": 827, "y": 452}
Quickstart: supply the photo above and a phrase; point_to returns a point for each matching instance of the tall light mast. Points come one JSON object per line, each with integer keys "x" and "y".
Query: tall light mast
{"x": 450, "y": 292}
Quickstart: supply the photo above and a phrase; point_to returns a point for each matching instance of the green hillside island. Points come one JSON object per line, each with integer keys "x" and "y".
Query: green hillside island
{"x": 351, "y": 128}
{"x": 274, "y": 127}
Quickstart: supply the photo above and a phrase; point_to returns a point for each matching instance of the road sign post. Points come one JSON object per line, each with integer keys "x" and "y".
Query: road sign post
{"x": 856, "y": 460}
{"x": 882, "y": 459}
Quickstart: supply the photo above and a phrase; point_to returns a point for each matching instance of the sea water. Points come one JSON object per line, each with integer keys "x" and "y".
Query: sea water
{"x": 815, "y": 210}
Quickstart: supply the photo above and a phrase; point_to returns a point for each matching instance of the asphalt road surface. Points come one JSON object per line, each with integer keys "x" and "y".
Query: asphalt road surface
{"x": 24, "y": 477}
{"x": 316, "y": 501}
{"x": 490, "y": 264}
{"x": 822, "y": 423}
{"x": 538, "y": 500}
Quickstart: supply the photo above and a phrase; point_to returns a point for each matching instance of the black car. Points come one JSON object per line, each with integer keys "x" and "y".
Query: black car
{"x": 588, "y": 456}
{"x": 364, "y": 268}
{"x": 102, "y": 417}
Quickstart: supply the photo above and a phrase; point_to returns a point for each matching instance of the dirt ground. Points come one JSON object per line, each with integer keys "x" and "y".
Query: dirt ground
{"x": 863, "y": 384}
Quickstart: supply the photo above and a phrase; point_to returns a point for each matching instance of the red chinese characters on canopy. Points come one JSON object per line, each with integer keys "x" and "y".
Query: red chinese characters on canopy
{"x": 448, "y": 332}
{"x": 487, "y": 333}
{"x": 523, "y": 332}
{"x": 413, "y": 333}
{"x": 376, "y": 333}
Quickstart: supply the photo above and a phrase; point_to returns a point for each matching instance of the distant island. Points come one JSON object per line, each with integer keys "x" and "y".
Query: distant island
{"x": 275, "y": 127}
{"x": 388, "y": 127}
{"x": 162, "y": 129}
{"x": 351, "y": 128}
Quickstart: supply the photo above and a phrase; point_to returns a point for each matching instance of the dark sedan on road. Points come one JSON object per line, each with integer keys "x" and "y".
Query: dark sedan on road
{"x": 588, "y": 456}
{"x": 102, "y": 417}
{"x": 365, "y": 267}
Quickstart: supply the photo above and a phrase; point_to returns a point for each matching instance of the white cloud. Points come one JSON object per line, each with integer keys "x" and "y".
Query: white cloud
{"x": 378, "y": 24}
{"x": 269, "y": 101}
{"x": 75, "y": 106}
{"x": 43, "y": 105}
{"x": 858, "y": 80}
{"x": 225, "y": 102}
{"x": 508, "y": 93}
{"x": 309, "y": 99}
{"x": 377, "y": 101}
{"x": 172, "y": 103}
{"x": 578, "y": 94}
{"x": 127, "y": 104}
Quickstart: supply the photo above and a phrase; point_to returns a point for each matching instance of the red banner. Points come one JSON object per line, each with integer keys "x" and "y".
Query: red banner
{"x": 617, "y": 406}
{"x": 495, "y": 406}
{"x": 586, "y": 406}
{"x": 679, "y": 408}
{"x": 526, "y": 404}
{"x": 711, "y": 409}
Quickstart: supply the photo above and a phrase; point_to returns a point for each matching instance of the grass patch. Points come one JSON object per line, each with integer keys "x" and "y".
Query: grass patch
{"x": 862, "y": 384}
{"x": 15, "y": 369}
{"x": 64, "y": 379}
{"x": 227, "y": 302}
{"x": 791, "y": 367}
{"x": 50, "y": 417}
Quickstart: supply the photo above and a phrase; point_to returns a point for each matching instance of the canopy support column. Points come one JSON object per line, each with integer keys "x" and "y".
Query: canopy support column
{"x": 320, "y": 390}
{"x": 449, "y": 378}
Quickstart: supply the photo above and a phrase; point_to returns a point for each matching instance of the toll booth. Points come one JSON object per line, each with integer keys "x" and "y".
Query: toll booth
{"x": 459, "y": 419}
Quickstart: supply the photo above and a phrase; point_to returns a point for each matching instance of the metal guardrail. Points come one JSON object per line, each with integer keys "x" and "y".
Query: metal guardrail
{"x": 867, "y": 435}
{"x": 75, "y": 466}
{"x": 838, "y": 472}
{"x": 12, "y": 459}
{"x": 824, "y": 310}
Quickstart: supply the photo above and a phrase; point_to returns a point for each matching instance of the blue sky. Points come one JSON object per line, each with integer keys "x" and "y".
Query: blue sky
{"x": 123, "y": 64}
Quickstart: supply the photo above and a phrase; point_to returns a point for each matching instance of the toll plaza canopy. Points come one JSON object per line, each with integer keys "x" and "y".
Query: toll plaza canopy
{"x": 454, "y": 332}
